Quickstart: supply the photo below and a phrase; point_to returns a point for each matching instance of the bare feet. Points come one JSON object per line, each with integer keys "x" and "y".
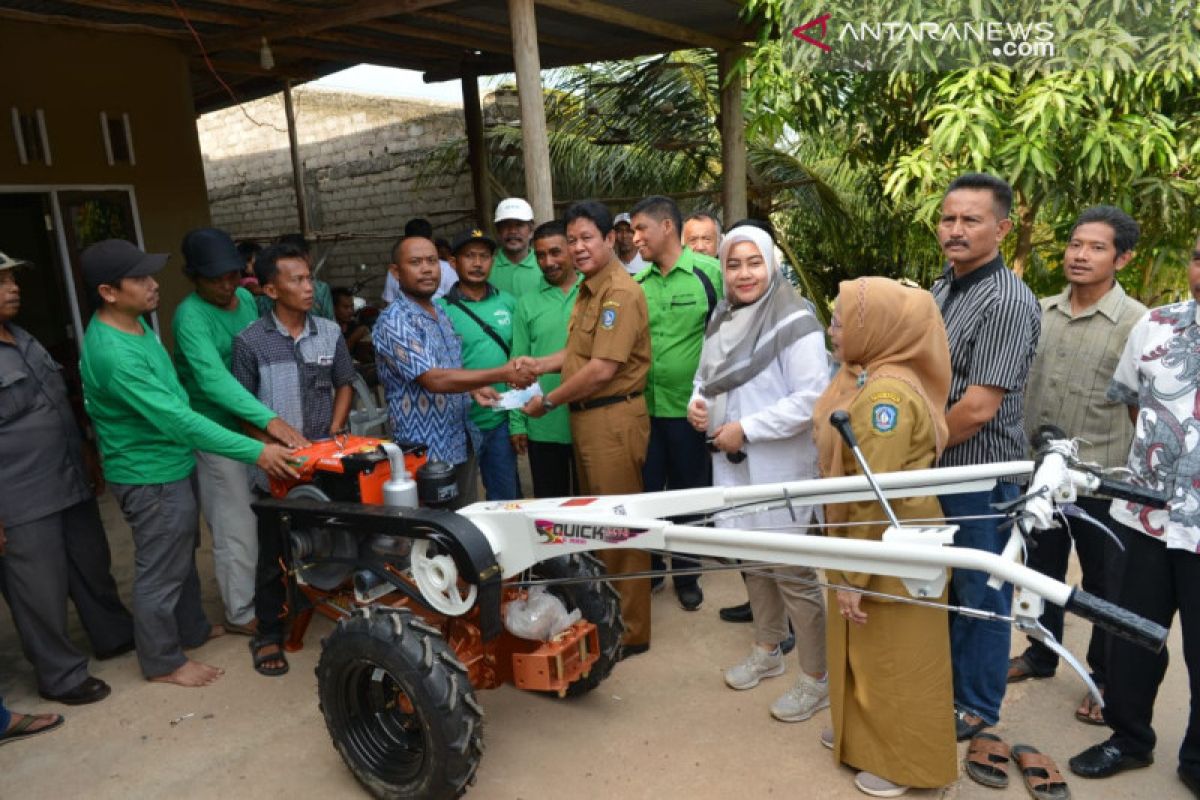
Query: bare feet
{"x": 192, "y": 674}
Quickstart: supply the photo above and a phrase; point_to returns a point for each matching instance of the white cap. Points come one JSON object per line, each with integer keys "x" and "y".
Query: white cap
{"x": 622, "y": 217}
{"x": 514, "y": 208}
{"x": 7, "y": 262}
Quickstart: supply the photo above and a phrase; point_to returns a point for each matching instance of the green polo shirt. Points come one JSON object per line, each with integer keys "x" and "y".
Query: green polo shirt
{"x": 479, "y": 350}
{"x": 147, "y": 430}
{"x": 517, "y": 279}
{"x": 541, "y": 329}
{"x": 204, "y": 337}
{"x": 678, "y": 307}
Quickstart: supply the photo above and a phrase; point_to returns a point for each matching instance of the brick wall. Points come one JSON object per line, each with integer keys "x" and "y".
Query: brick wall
{"x": 361, "y": 155}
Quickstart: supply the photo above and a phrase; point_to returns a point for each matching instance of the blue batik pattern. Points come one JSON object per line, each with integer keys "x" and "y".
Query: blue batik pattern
{"x": 409, "y": 342}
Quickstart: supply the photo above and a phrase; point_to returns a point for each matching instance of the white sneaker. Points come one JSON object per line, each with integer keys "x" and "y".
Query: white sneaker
{"x": 806, "y": 698}
{"x": 761, "y": 664}
{"x": 869, "y": 783}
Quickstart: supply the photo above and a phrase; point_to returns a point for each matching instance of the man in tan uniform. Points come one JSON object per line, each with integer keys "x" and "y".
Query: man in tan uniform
{"x": 604, "y": 369}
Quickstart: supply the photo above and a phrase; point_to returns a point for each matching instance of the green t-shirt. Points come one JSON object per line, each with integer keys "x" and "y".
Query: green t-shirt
{"x": 479, "y": 350}
{"x": 204, "y": 337}
{"x": 517, "y": 279}
{"x": 678, "y": 307}
{"x": 147, "y": 430}
{"x": 541, "y": 329}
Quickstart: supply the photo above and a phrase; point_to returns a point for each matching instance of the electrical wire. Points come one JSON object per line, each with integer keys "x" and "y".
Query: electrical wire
{"x": 208, "y": 62}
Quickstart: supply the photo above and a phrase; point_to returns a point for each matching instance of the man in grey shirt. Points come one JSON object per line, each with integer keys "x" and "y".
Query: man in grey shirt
{"x": 56, "y": 544}
{"x": 1084, "y": 329}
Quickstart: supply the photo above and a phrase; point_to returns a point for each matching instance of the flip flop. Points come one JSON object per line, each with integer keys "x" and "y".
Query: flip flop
{"x": 1042, "y": 778}
{"x": 261, "y": 659}
{"x": 1019, "y": 669}
{"x": 249, "y": 629}
{"x": 987, "y": 760}
{"x": 21, "y": 729}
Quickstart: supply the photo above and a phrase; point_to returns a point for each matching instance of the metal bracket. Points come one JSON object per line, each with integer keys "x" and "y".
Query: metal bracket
{"x": 939, "y": 536}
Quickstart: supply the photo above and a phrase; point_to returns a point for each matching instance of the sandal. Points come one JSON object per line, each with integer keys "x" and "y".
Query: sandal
{"x": 1042, "y": 778}
{"x": 249, "y": 629}
{"x": 987, "y": 760}
{"x": 1019, "y": 669}
{"x": 262, "y": 659}
{"x": 21, "y": 730}
{"x": 1090, "y": 712}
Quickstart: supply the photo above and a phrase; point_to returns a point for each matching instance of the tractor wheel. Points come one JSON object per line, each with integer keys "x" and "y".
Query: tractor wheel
{"x": 599, "y": 604}
{"x": 399, "y": 706}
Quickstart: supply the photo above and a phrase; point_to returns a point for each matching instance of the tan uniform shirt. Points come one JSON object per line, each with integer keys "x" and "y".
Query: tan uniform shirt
{"x": 610, "y": 321}
{"x": 1075, "y": 360}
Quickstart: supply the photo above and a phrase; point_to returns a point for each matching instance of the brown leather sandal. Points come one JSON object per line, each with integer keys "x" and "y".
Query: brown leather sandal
{"x": 1090, "y": 712}
{"x": 1042, "y": 778}
{"x": 987, "y": 760}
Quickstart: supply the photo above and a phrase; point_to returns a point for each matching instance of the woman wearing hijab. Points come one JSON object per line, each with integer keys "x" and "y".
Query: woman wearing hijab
{"x": 889, "y": 662}
{"x": 762, "y": 367}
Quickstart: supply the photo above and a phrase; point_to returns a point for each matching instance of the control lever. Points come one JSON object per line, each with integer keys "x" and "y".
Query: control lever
{"x": 841, "y": 421}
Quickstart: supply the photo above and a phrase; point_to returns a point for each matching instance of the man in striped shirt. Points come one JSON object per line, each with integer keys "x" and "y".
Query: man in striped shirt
{"x": 992, "y": 323}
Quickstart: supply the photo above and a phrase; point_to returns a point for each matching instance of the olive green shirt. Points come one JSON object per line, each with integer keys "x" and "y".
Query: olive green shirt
{"x": 517, "y": 279}
{"x": 1072, "y": 368}
{"x": 541, "y": 329}
{"x": 678, "y": 308}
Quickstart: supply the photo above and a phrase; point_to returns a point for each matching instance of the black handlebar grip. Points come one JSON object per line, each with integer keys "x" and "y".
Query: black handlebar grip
{"x": 1117, "y": 620}
{"x": 1135, "y": 494}
{"x": 841, "y": 421}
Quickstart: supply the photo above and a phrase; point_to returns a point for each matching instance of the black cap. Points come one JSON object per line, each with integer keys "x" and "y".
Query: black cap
{"x": 105, "y": 263}
{"x": 472, "y": 235}
{"x": 210, "y": 253}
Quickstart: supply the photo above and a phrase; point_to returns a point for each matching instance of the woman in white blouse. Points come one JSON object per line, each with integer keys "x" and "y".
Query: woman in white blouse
{"x": 762, "y": 368}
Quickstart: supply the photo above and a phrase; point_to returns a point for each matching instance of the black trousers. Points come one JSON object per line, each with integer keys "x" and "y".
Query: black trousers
{"x": 270, "y": 588}
{"x": 1157, "y": 583}
{"x": 553, "y": 468}
{"x": 675, "y": 459}
{"x": 1101, "y": 561}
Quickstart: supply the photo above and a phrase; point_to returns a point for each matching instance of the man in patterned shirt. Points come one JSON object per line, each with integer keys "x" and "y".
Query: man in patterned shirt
{"x": 420, "y": 366}
{"x": 992, "y": 323}
{"x": 1158, "y": 378}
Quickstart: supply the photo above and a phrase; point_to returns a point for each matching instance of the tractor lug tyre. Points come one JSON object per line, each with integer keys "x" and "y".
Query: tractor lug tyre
{"x": 399, "y": 706}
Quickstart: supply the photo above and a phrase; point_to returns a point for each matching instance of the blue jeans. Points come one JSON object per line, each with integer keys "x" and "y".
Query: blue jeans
{"x": 497, "y": 463}
{"x": 978, "y": 647}
{"x": 5, "y": 716}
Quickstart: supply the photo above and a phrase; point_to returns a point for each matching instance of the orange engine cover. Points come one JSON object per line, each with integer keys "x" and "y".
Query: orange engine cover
{"x": 349, "y": 469}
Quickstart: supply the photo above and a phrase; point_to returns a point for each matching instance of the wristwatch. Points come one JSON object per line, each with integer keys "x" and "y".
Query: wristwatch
{"x": 548, "y": 404}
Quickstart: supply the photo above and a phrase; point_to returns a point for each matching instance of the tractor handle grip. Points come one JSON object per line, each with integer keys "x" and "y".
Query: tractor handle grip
{"x": 1133, "y": 493}
{"x": 1117, "y": 621}
{"x": 841, "y": 421}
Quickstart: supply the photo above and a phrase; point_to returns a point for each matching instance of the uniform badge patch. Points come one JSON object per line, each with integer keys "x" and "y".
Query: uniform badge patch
{"x": 884, "y": 417}
{"x": 608, "y": 318}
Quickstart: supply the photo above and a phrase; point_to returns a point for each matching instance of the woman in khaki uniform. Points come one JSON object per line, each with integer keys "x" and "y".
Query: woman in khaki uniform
{"x": 889, "y": 663}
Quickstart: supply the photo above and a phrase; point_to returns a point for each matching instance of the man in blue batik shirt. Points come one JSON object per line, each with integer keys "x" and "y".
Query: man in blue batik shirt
{"x": 420, "y": 366}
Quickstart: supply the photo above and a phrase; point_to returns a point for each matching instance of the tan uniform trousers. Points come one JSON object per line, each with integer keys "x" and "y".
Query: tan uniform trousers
{"x": 610, "y": 448}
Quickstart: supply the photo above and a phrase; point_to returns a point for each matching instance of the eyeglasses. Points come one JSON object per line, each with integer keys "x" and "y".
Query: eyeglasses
{"x": 733, "y": 458}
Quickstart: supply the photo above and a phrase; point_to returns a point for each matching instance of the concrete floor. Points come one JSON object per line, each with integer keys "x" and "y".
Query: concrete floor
{"x": 662, "y": 726}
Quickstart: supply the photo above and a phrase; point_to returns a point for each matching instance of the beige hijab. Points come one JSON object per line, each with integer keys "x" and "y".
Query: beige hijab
{"x": 888, "y": 331}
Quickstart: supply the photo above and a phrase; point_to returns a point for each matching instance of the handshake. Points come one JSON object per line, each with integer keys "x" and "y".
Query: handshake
{"x": 521, "y": 372}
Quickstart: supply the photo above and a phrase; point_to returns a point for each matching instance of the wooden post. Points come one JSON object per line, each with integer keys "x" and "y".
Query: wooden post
{"x": 733, "y": 139}
{"x": 476, "y": 146}
{"x": 297, "y": 167}
{"x": 539, "y": 189}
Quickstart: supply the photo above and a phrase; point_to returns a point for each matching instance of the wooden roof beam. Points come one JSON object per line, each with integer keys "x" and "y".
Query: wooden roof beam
{"x": 315, "y": 21}
{"x": 592, "y": 9}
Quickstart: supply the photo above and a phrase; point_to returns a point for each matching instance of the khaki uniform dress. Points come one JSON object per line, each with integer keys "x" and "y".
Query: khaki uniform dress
{"x": 610, "y": 321}
{"x": 890, "y": 685}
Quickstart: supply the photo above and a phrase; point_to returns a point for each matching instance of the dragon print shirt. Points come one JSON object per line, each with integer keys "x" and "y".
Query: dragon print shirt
{"x": 1159, "y": 372}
